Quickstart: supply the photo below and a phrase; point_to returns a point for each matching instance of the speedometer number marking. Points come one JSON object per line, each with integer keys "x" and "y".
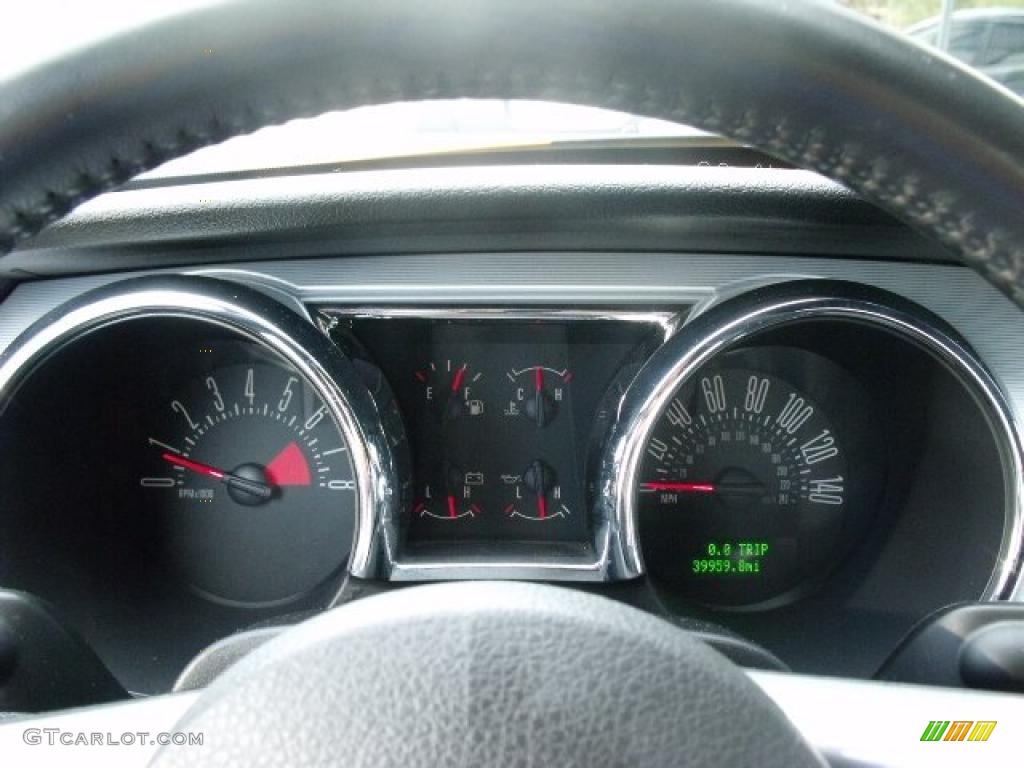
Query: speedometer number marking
{"x": 826, "y": 491}
{"x": 677, "y": 414}
{"x": 757, "y": 393}
{"x": 714, "y": 394}
{"x": 794, "y": 414}
{"x": 819, "y": 448}
{"x": 657, "y": 449}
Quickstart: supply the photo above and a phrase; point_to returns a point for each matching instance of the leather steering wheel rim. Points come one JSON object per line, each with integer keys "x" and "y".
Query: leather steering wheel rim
{"x": 911, "y": 130}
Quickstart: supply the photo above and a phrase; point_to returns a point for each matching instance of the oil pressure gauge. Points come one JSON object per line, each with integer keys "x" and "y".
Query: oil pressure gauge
{"x": 536, "y": 494}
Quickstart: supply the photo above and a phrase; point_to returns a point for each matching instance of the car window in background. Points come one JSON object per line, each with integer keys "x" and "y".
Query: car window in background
{"x": 987, "y": 35}
{"x": 1006, "y": 41}
{"x": 967, "y": 41}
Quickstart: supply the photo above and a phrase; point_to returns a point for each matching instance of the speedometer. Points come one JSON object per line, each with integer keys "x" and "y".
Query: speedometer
{"x": 751, "y": 474}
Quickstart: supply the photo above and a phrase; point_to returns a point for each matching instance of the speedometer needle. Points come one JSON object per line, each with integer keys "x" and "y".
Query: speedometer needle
{"x": 254, "y": 487}
{"x": 728, "y": 488}
{"x": 681, "y": 487}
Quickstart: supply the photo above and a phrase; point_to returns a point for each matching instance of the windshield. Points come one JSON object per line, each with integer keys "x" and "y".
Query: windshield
{"x": 416, "y": 129}
{"x": 988, "y": 36}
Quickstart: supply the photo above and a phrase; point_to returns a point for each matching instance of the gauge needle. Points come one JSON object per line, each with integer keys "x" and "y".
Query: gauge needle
{"x": 681, "y": 487}
{"x": 725, "y": 488}
{"x": 250, "y": 486}
{"x": 538, "y": 379}
{"x": 457, "y": 381}
{"x": 542, "y": 506}
{"x": 453, "y": 510}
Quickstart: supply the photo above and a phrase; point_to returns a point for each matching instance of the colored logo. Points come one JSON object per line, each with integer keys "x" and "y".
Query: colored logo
{"x": 958, "y": 730}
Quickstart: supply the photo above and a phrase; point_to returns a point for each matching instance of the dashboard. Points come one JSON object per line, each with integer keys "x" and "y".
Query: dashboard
{"x": 808, "y": 463}
{"x": 724, "y": 414}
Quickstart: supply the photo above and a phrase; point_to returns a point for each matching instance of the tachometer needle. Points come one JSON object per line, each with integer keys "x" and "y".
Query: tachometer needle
{"x": 195, "y": 466}
{"x": 680, "y": 487}
{"x": 250, "y": 486}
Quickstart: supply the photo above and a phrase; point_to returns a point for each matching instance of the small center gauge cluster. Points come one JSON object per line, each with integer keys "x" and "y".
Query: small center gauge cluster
{"x": 453, "y": 479}
{"x": 500, "y": 414}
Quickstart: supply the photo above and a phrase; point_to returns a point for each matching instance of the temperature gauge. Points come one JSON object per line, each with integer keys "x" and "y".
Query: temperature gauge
{"x": 538, "y": 393}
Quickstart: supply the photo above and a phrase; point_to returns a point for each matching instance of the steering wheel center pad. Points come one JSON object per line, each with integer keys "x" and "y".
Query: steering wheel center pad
{"x": 487, "y": 673}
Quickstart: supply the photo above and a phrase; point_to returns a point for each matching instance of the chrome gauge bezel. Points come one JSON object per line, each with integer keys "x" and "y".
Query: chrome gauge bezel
{"x": 263, "y": 320}
{"x": 723, "y": 326}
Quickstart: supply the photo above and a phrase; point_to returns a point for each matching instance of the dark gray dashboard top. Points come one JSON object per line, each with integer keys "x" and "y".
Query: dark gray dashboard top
{"x": 469, "y": 209}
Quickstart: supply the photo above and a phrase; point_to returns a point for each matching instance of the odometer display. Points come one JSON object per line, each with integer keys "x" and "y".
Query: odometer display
{"x": 742, "y": 490}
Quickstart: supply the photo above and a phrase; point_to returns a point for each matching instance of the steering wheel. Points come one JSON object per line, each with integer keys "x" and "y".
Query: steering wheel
{"x": 529, "y": 674}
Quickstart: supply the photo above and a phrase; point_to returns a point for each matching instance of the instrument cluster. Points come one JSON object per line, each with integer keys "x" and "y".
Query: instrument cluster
{"x": 200, "y": 448}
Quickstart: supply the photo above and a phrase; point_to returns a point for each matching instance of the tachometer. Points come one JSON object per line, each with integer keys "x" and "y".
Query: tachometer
{"x": 217, "y": 441}
{"x": 748, "y": 477}
{"x": 251, "y": 475}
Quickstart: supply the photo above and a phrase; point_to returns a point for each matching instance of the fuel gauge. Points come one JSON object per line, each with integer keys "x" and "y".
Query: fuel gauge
{"x": 450, "y": 390}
